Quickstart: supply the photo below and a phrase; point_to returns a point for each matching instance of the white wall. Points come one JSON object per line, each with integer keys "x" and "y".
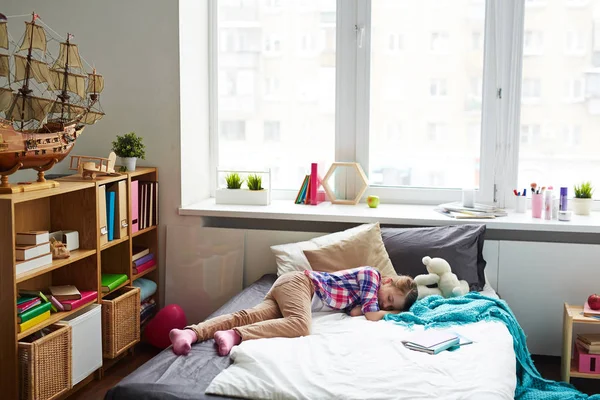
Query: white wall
{"x": 135, "y": 45}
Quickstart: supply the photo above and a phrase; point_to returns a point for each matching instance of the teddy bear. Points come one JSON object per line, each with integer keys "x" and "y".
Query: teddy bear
{"x": 441, "y": 274}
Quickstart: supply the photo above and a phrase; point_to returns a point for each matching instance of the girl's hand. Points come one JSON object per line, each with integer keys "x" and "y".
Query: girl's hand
{"x": 356, "y": 311}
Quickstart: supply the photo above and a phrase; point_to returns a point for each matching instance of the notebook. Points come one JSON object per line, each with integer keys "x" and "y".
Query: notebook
{"x": 432, "y": 341}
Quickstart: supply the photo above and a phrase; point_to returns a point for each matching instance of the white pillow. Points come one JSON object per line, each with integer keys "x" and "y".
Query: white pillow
{"x": 290, "y": 257}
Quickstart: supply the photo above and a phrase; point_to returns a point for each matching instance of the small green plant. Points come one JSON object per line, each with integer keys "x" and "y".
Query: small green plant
{"x": 129, "y": 145}
{"x": 584, "y": 191}
{"x": 233, "y": 181}
{"x": 254, "y": 182}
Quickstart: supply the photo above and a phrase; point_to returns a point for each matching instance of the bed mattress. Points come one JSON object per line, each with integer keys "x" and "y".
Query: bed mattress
{"x": 170, "y": 377}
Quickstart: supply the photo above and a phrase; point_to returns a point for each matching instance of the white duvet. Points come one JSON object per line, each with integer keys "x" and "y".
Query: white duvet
{"x": 352, "y": 358}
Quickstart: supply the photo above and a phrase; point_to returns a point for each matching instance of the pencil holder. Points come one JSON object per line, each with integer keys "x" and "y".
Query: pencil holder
{"x": 521, "y": 204}
{"x": 537, "y": 202}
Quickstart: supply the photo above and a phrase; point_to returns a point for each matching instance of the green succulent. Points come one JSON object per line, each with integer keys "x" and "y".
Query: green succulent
{"x": 234, "y": 181}
{"x": 584, "y": 191}
{"x": 254, "y": 182}
{"x": 129, "y": 145}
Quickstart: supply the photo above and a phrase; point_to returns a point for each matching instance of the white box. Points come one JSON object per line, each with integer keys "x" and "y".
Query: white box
{"x": 86, "y": 325}
{"x": 69, "y": 238}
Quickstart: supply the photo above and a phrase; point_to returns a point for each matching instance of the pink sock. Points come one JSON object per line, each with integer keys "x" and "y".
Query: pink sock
{"x": 182, "y": 340}
{"x": 225, "y": 340}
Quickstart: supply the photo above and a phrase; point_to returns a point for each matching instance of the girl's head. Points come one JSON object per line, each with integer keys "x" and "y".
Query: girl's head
{"x": 397, "y": 293}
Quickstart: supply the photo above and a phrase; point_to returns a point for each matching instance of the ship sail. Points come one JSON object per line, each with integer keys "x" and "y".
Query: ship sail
{"x": 38, "y": 70}
{"x": 6, "y": 97}
{"x": 4, "y": 68}
{"x": 34, "y": 36}
{"x": 73, "y": 109}
{"x": 33, "y": 108}
{"x": 3, "y": 35}
{"x": 75, "y": 82}
{"x": 91, "y": 117}
{"x": 95, "y": 83}
{"x": 69, "y": 55}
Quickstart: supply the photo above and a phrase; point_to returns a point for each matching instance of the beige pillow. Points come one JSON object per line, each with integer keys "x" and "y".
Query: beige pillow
{"x": 366, "y": 248}
{"x": 290, "y": 256}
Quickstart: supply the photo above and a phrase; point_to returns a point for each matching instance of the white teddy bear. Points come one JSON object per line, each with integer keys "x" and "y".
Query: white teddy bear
{"x": 440, "y": 272}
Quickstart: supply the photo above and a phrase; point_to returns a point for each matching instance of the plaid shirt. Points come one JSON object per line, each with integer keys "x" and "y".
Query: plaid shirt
{"x": 344, "y": 290}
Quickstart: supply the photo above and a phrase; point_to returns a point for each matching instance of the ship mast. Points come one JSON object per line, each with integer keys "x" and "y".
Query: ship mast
{"x": 64, "y": 96}
{"x": 25, "y": 91}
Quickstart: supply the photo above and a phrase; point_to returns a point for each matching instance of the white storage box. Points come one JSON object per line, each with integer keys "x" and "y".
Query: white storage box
{"x": 69, "y": 238}
{"x": 86, "y": 325}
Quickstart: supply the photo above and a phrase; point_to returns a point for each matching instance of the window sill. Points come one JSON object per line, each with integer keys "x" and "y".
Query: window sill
{"x": 394, "y": 214}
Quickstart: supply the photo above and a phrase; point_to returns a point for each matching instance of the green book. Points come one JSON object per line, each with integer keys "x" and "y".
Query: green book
{"x": 24, "y": 298}
{"x": 111, "y": 281}
{"x": 33, "y": 312}
{"x": 35, "y": 293}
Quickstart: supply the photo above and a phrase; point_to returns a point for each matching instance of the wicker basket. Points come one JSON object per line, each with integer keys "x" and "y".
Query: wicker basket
{"x": 120, "y": 321}
{"x": 45, "y": 365}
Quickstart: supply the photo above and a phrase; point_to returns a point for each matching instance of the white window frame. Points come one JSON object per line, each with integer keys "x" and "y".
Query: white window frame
{"x": 503, "y": 50}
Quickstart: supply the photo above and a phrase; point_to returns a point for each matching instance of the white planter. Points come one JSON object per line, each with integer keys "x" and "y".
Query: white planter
{"x": 582, "y": 206}
{"x": 129, "y": 163}
{"x": 243, "y": 197}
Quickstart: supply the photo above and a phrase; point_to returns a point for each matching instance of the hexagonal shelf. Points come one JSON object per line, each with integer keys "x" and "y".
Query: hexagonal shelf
{"x": 359, "y": 172}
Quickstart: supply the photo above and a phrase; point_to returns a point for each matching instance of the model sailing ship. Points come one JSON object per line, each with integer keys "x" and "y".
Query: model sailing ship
{"x": 45, "y": 102}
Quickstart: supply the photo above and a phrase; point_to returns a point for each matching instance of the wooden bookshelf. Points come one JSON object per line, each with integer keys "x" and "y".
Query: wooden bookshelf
{"x": 73, "y": 205}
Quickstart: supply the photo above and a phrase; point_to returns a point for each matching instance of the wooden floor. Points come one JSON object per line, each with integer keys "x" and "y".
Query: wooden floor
{"x": 549, "y": 368}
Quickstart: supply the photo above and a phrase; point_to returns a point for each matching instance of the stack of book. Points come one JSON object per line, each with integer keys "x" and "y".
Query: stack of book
{"x": 142, "y": 260}
{"x": 32, "y": 250}
{"x": 112, "y": 281}
{"x": 32, "y": 308}
{"x": 69, "y": 298}
{"x": 590, "y": 342}
{"x": 309, "y": 192}
{"x": 144, "y": 205}
{"x": 478, "y": 211}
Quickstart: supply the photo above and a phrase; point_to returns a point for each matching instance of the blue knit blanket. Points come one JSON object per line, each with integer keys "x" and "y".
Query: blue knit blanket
{"x": 435, "y": 311}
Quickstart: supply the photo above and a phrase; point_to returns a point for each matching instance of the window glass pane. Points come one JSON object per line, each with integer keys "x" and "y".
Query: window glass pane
{"x": 426, "y": 93}
{"x": 560, "y": 108}
{"x": 276, "y": 86}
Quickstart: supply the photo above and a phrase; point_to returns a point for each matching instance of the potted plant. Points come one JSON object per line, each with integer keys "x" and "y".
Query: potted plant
{"x": 129, "y": 147}
{"x": 254, "y": 194}
{"x": 582, "y": 203}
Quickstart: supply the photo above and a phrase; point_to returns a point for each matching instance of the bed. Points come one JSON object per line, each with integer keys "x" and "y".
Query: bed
{"x": 482, "y": 371}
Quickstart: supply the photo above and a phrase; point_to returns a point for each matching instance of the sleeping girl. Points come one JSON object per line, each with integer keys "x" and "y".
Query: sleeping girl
{"x": 286, "y": 309}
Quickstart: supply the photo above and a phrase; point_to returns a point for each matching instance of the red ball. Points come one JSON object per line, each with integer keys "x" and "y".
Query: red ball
{"x": 594, "y": 302}
{"x": 158, "y": 328}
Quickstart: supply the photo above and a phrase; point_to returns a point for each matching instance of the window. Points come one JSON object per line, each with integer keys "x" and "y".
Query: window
{"x": 405, "y": 89}
{"x": 574, "y": 43}
{"x": 531, "y": 90}
{"x": 574, "y": 90}
{"x": 438, "y": 88}
{"x": 266, "y": 82}
{"x": 440, "y": 42}
{"x": 272, "y": 131}
{"x": 564, "y": 156}
{"x": 533, "y": 43}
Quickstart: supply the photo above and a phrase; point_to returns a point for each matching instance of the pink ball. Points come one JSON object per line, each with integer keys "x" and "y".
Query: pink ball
{"x": 158, "y": 328}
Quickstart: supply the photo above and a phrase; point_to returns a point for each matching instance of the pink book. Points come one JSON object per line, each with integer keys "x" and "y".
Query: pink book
{"x": 144, "y": 266}
{"x": 314, "y": 184}
{"x": 589, "y": 312}
{"x": 86, "y": 297}
{"x": 28, "y": 304}
{"x": 134, "y": 207}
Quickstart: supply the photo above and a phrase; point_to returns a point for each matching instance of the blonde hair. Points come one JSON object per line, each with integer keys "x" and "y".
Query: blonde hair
{"x": 408, "y": 287}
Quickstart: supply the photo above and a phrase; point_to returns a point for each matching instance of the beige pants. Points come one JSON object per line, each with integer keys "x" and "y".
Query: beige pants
{"x": 285, "y": 312}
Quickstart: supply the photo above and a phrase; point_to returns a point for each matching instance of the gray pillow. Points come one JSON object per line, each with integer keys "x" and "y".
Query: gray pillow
{"x": 460, "y": 245}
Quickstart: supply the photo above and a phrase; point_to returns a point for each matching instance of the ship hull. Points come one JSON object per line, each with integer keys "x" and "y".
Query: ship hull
{"x": 42, "y": 150}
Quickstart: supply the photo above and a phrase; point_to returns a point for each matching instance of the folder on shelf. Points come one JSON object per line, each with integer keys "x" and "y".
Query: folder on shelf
{"x": 112, "y": 281}
{"x": 110, "y": 214}
{"x": 150, "y": 203}
{"x": 134, "y": 206}
{"x": 33, "y": 321}
{"x": 121, "y": 221}
{"x": 155, "y": 221}
{"x": 102, "y": 214}
{"x": 33, "y": 312}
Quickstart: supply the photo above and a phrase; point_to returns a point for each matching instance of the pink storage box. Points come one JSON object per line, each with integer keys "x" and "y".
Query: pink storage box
{"x": 588, "y": 363}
